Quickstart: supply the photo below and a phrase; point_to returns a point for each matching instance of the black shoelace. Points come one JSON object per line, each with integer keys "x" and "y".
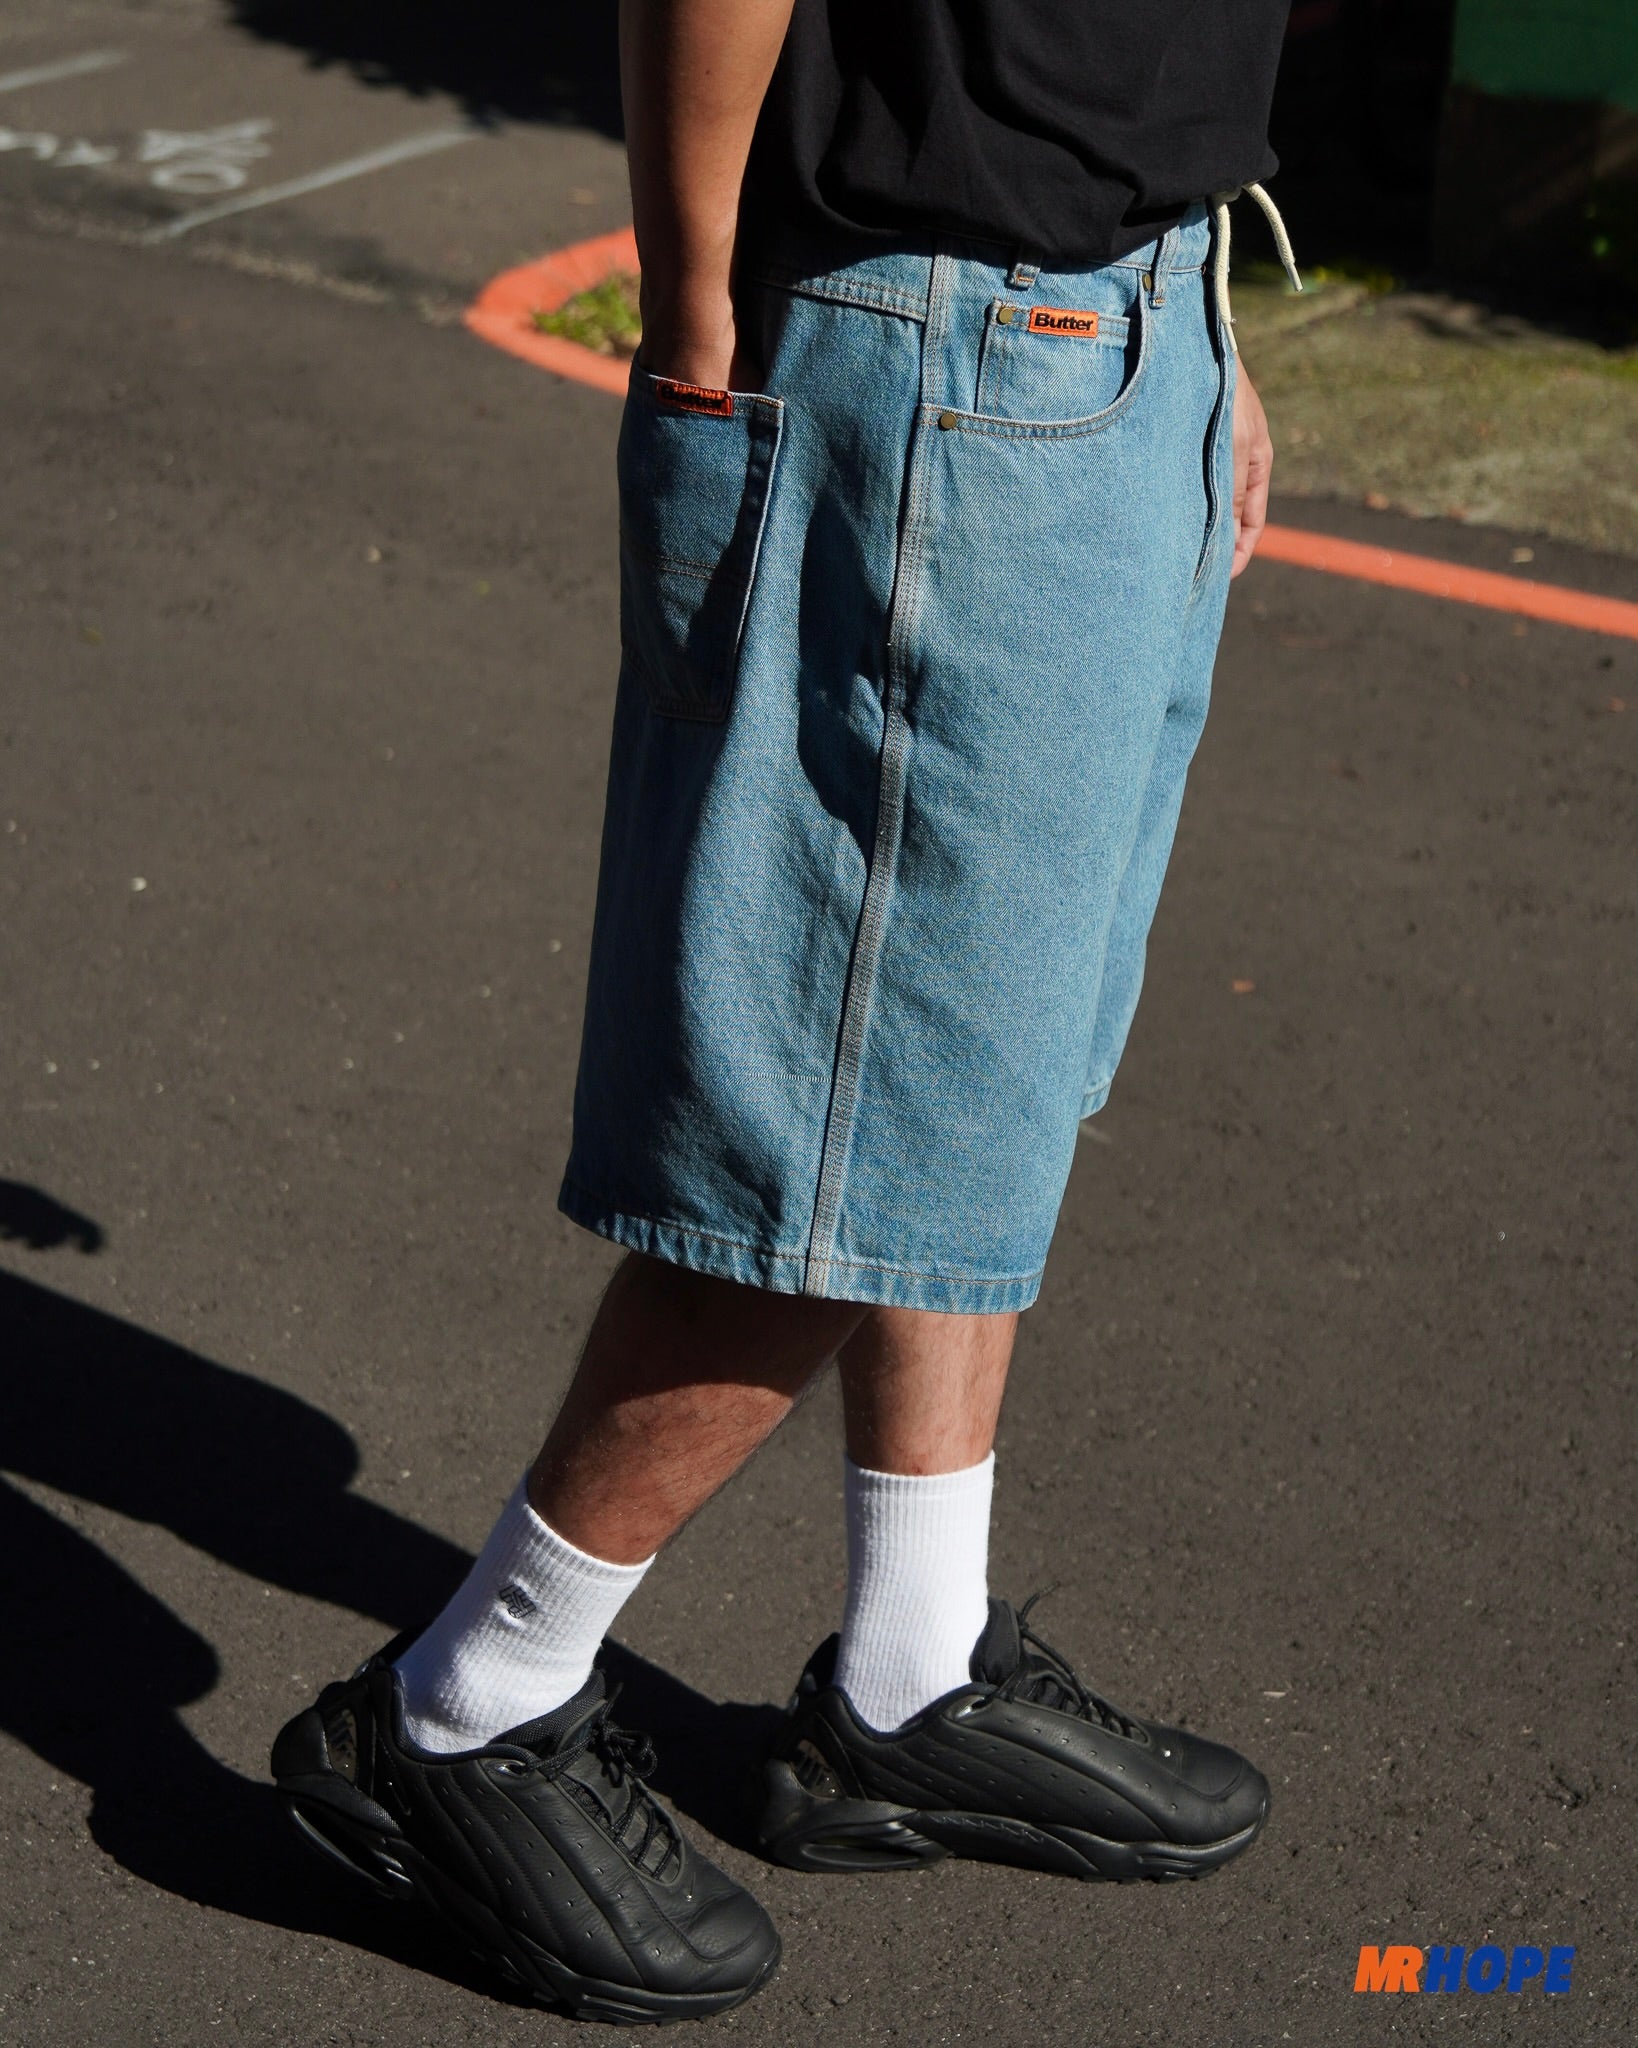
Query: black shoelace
{"x": 1047, "y": 1679}
{"x": 623, "y": 1752}
{"x": 626, "y": 1758}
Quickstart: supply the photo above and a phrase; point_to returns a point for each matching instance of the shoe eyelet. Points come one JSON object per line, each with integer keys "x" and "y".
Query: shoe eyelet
{"x": 964, "y": 1710}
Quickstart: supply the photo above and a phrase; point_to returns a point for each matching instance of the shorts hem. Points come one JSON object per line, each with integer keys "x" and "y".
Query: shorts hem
{"x": 787, "y": 1272}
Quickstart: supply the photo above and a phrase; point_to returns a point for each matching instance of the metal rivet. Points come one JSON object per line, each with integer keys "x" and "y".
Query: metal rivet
{"x": 1007, "y": 315}
{"x": 1148, "y": 280}
{"x": 947, "y": 420}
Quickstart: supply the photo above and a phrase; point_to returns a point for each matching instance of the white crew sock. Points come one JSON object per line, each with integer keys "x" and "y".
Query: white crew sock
{"x": 518, "y": 1637}
{"x": 918, "y": 1554}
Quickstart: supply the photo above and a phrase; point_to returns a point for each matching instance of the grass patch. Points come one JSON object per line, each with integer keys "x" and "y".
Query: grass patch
{"x": 1432, "y": 406}
{"x": 604, "y": 317}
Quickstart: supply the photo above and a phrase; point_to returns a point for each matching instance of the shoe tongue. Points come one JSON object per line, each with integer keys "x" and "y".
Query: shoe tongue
{"x": 548, "y": 1732}
{"x": 997, "y": 1653}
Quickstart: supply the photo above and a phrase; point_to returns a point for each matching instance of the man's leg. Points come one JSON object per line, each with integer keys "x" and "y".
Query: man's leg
{"x": 682, "y": 1378}
{"x": 481, "y": 1771}
{"x": 921, "y": 1393}
{"x": 939, "y": 1722}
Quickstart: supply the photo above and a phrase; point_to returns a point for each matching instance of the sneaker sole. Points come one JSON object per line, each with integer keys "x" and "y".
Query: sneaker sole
{"x": 809, "y": 1831}
{"x": 394, "y": 1869}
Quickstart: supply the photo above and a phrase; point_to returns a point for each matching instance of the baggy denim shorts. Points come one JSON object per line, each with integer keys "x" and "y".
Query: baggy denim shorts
{"x": 916, "y": 648}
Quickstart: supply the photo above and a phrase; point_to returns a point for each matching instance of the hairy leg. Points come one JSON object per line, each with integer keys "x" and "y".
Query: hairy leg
{"x": 922, "y": 1391}
{"x": 682, "y": 1377}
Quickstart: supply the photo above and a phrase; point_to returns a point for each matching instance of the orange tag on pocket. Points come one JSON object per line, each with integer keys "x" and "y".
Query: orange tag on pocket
{"x": 1059, "y": 320}
{"x": 694, "y": 397}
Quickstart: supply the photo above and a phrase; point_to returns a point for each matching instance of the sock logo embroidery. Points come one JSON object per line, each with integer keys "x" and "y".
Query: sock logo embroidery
{"x": 1441, "y": 1968}
{"x": 1059, "y": 320}
{"x": 516, "y": 1602}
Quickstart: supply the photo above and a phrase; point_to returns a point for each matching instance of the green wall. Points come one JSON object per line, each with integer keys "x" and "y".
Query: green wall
{"x": 1549, "y": 49}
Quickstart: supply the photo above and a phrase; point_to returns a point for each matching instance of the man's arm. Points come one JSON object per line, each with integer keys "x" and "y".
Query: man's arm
{"x": 693, "y": 75}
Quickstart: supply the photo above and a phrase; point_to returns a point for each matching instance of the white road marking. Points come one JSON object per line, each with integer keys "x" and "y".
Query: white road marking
{"x": 209, "y": 162}
{"x": 199, "y": 164}
{"x": 315, "y": 181}
{"x": 43, "y": 146}
{"x": 76, "y": 156}
{"x": 66, "y": 67}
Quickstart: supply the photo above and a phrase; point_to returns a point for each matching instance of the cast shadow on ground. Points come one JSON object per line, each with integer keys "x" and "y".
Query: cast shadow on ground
{"x": 97, "y": 1668}
{"x": 518, "y": 60}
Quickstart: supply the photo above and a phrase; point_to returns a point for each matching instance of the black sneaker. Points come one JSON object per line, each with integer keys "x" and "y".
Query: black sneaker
{"x": 544, "y": 1851}
{"x": 1024, "y": 1765}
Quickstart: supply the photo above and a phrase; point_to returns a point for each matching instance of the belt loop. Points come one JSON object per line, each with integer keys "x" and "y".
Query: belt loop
{"x": 1022, "y": 275}
{"x": 1165, "y": 257}
{"x": 941, "y": 289}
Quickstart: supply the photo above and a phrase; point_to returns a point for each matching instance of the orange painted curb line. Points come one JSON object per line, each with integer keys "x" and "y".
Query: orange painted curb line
{"x": 503, "y": 311}
{"x": 1550, "y": 601}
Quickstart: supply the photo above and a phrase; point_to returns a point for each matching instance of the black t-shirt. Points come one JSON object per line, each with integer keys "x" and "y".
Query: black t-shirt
{"x": 1071, "y": 131}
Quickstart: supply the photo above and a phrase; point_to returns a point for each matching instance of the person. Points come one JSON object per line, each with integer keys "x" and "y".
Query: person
{"x": 934, "y": 469}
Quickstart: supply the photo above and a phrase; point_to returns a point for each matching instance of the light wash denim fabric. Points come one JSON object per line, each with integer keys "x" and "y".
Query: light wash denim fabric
{"x": 917, "y": 644}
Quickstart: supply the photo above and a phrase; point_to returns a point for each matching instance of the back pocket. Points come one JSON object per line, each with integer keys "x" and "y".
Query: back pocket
{"x": 696, "y": 470}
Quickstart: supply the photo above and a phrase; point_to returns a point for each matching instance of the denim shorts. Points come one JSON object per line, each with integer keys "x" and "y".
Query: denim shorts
{"x": 916, "y": 647}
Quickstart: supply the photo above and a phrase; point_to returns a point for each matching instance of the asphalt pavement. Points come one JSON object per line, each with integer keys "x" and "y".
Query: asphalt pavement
{"x": 1324, "y": 1422}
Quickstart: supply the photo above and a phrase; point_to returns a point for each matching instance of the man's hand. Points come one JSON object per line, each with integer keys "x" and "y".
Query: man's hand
{"x": 1253, "y": 466}
{"x": 692, "y": 340}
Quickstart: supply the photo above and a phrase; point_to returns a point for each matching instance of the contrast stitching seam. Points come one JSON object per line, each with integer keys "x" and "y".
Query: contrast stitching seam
{"x": 658, "y": 558}
{"x": 741, "y": 1244}
{"x": 738, "y": 1244}
{"x": 876, "y": 298}
{"x": 884, "y": 851}
{"x": 666, "y": 702}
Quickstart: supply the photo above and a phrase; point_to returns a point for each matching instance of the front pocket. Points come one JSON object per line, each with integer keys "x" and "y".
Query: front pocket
{"x": 696, "y": 471}
{"x": 1045, "y": 365}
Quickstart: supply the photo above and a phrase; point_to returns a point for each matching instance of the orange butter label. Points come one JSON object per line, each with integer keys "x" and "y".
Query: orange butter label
{"x": 1059, "y": 320}
{"x": 694, "y": 397}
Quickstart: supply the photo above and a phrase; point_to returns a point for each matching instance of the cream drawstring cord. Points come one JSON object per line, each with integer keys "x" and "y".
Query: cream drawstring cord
{"x": 1220, "y": 202}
